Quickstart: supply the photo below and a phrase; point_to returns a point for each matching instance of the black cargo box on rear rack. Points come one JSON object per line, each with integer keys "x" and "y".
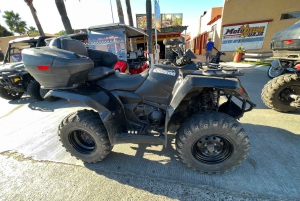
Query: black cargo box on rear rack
{"x": 55, "y": 68}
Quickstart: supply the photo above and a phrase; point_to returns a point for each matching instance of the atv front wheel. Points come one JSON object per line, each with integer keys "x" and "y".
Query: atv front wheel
{"x": 10, "y": 95}
{"x": 83, "y": 134}
{"x": 212, "y": 142}
{"x": 43, "y": 92}
{"x": 33, "y": 89}
{"x": 275, "y": 93}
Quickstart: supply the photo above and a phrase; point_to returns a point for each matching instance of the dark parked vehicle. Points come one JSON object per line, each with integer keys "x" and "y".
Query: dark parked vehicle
{"x": 285, "y": 45}
{"x": 14, "y": 78}
{"x": 142, "y": 108}
{"x": 283, "y": 92}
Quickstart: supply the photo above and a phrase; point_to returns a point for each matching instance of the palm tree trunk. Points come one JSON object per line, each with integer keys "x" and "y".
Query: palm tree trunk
{"x": 35, "y": 17}
{"x": 149, "y": 27}
{"x": 120, "y": 12}
{"x": 64, "y": 17}
{"x": 133, "y": 45}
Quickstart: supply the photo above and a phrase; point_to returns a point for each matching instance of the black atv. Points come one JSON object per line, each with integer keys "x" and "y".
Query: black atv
{"x": 142, "y": 108}
{"x": 14, "y": 78}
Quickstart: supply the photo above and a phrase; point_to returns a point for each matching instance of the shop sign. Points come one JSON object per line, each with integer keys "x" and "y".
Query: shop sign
{"x": 250, "y": 36}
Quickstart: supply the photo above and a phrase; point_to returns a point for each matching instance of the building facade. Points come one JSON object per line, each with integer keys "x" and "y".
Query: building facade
{"x": 250, "y": 24}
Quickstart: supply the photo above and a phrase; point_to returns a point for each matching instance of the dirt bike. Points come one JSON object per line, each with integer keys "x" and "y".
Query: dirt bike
{"x": 281, "y": 66}
{"x": 283, "y": 92}
{"x": 216, "y": 59}
{"x": 214, "y": 62}
{"x": 142, "y": 108}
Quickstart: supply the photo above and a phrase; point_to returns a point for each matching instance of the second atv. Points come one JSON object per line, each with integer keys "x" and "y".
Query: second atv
{"x": 14, "y": 78}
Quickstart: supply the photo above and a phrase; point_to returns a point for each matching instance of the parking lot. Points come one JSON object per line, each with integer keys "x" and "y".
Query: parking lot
{"x": 29, "y": 135}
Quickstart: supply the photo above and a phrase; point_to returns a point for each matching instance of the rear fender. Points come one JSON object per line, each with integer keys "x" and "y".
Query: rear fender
{"x": 109, "y": 108}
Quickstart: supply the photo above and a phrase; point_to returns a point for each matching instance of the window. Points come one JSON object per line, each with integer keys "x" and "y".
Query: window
{"x": 291, "y": 15}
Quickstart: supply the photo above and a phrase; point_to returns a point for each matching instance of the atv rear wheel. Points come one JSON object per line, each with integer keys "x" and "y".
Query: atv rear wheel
{"x": 83, "y": 134}
{"x": 275, "y": 93}
{"x": 43, "y": 92}
{"x": 10, "y": 95}
{"x": 212, "y": 142}
{"x": 33, "y": 89}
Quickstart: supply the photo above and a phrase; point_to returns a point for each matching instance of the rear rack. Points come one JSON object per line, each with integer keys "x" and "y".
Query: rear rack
{"x": 223, "y": 72}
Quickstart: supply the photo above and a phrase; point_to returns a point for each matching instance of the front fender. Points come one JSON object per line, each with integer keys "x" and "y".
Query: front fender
{"x": 109, "y": 109}
{"x": 230, "y": 86}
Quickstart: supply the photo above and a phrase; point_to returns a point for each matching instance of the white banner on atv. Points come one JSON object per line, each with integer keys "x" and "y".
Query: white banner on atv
{"x": 250, "y": 36}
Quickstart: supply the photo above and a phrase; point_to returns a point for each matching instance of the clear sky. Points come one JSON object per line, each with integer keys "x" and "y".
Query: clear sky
{"x": 94, "y": 12}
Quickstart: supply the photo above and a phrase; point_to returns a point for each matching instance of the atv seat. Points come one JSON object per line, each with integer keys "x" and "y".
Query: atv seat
{"x": 100, "y": 58}
{"x": 123, "y": 82}
{"x": 71, "y": 45}
{"x": 99, "y": 73}
{"x": 103, "y": 61}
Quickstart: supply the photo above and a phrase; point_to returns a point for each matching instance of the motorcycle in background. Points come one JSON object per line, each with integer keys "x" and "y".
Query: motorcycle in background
{"x": 281, "y": 66}
{"x": 216, "y": 59}
{"x": 214, "y": 62}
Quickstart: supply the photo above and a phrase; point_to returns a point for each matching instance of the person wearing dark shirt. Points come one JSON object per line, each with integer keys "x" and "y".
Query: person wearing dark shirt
{"x": 209, "y": 47}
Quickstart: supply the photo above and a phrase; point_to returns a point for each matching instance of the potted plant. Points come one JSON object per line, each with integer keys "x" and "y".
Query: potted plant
{"x": 239, "y": 52}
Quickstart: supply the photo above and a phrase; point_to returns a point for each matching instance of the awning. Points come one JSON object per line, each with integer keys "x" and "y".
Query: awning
{"x": 214, "y": 19}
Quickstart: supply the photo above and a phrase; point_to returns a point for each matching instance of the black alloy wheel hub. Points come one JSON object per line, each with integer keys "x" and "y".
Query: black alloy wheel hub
{"x": 82, "y": 141}
{"x": 212, "y": 149}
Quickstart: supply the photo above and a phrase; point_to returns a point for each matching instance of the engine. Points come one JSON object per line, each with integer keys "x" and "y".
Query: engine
{"x": 150, "y": 115}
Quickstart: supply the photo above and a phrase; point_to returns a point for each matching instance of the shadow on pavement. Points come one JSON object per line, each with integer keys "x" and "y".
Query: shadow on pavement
{"x": 271, "y": 169}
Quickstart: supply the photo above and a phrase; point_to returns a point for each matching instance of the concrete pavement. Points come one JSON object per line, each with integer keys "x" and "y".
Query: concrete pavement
{"x": 33, "y": 163}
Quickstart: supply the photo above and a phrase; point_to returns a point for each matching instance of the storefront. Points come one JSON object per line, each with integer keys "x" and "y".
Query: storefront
{"x": 165, "y": 33}
{"x": 250, "y": 24}
{"x": 171, "y": 28}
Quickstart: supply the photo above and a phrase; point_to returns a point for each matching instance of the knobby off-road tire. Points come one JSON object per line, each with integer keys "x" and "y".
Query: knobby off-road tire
{"x": 33, "y": 89}
{"x": 43, "y": 92}
{"x": 212, "y": 142}
{"x": 273, "y": 93}
{"x": 83, "y": 134}
{"x": 10, "y": 95}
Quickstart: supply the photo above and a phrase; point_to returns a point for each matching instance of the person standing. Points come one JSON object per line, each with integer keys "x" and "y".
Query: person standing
{"x": 209, "y": 46}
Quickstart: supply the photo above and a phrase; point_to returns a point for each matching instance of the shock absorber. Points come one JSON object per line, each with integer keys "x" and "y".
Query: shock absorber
{"x": 216, "y": 98}
{"x": 204, "y": 98}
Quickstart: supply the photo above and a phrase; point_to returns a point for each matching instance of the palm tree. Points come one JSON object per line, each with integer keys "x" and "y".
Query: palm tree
{"x": 64, "y": 17}
{"x": 120, "y": 12}
{"x": 4, "y": 32}
{"x": 133, "y": 45}
{"x": 14, "y": 22}
{"x": 149, "y": 26}
{"x": 32, "y": 30}
{"x": 35, "y": 17}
